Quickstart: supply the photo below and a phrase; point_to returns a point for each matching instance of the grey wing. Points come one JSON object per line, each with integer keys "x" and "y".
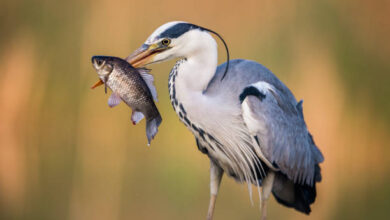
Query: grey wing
{"x": 241, "y": 74}
{"x": 276, "y": 123}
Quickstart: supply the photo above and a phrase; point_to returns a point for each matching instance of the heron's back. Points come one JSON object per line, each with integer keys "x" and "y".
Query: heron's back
{"x": 241, "y": 74}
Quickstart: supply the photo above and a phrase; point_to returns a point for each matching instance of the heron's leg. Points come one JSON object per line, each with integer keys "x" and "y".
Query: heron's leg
{"x": 216, "y": 173}
{"x": 265, "y": 193}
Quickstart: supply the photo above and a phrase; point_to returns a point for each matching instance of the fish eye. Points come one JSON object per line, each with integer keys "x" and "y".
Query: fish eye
{"x": 166, "y": 42}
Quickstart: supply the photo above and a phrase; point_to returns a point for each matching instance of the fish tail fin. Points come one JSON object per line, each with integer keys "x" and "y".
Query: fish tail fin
{"x": 152, "y": 127}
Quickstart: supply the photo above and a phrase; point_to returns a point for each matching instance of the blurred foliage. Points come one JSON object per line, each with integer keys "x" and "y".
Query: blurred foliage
{"x": 65, "y": 155}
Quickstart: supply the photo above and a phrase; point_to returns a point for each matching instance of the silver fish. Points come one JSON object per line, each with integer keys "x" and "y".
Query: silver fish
{"x": 132, "y": 86}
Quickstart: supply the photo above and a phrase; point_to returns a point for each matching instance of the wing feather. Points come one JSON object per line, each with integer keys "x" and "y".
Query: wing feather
{"x": 280, "y": 128}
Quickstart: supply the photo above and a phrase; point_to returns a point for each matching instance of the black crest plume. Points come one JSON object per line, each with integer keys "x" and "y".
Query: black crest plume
{"x": 226, "y": 47}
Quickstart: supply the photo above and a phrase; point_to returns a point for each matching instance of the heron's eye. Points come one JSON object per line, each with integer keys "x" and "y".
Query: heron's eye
{"x": 99, "y": 62}
{"x": 165, "y": 42}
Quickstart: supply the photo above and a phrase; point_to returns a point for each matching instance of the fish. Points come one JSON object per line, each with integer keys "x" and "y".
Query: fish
{"x": 133, "y": 86}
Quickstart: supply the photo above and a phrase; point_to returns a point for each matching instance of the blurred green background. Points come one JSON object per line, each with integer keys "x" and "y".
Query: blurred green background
{"x": 64, "y": 154}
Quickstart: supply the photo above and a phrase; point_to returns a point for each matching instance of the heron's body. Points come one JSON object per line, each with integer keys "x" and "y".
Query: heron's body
{"x": 220, "y": 138}
{"x": 246, "y": 120}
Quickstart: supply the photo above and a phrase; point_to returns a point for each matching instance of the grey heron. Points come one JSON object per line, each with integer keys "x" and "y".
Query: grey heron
{"x": 243, "y": 117}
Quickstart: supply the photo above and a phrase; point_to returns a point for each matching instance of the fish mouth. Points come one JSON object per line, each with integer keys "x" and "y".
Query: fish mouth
{"x": 97, "y": 67}
{"x": 103, "y": 69}
{"x": 98, "y": 62}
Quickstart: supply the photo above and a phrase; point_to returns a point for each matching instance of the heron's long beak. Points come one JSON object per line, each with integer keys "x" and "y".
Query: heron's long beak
{"x": 143, "y": 55}
{"x": 98, "y": 83}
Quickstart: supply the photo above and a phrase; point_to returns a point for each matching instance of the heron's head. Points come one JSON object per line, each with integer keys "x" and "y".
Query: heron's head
{"x": 173, "y": 40}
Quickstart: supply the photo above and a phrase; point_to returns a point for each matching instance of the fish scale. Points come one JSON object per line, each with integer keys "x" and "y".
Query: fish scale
{"x": 123, "y": 84}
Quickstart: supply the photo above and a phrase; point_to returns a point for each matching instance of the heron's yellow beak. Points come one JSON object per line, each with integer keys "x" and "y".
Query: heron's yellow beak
{"x": 98, "y": 83}
{"x": 143, "y": 55}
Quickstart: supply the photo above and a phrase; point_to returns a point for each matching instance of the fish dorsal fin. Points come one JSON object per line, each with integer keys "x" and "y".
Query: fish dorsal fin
{"x": 114, "y": 100}
{"x": 148, "y": 78}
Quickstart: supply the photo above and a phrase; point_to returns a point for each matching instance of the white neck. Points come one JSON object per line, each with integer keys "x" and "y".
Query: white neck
{"x": 196, "y": 73}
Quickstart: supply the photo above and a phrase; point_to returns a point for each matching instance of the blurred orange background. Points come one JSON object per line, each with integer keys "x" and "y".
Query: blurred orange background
{"x": 64, "y": 154}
